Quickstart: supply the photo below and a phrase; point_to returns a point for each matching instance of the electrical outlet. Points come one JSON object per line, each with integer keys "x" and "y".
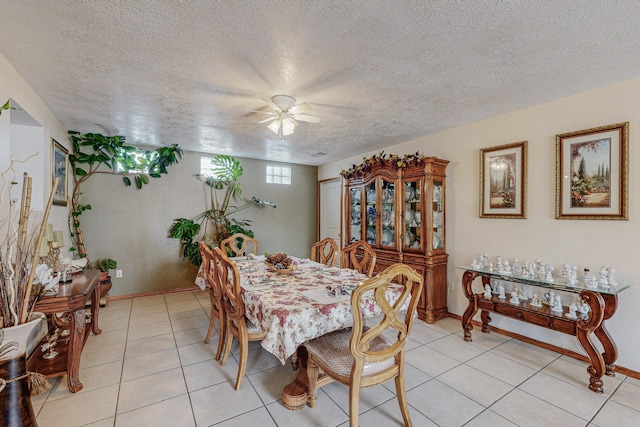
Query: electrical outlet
{"x": 118, "y": 273}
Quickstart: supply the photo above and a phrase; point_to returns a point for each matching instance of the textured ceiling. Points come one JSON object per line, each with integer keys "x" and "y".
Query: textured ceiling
{"x": 377, "y": 73}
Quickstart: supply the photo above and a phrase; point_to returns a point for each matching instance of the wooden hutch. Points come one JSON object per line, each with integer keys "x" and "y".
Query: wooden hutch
{"x": 397, "y": 205}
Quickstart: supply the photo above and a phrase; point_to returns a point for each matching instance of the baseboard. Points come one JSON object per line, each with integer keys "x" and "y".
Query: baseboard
{"x": 621, "y": 369}
{"x": 152, "y": 293}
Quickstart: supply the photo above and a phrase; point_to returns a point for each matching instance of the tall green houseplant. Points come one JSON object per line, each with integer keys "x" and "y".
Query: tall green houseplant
{"x": 225, "y": 191}
{"x": 94, "y": 153}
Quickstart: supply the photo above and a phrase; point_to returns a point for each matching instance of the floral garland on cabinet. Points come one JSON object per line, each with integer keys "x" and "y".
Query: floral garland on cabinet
{"x": 382, "y": 158}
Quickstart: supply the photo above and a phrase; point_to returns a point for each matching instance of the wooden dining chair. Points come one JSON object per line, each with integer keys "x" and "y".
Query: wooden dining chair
{"x": 362, "y": 356}
{"x": 359, "y": 256}
{"x": 213, "y": 273}
{"x": 238, "y": 325}
{"x": 239, "y": 244}
{"x": 324, "y": 251}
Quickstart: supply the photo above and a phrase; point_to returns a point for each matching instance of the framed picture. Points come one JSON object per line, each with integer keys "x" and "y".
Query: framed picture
{"x": 592, "y": 170}
{"x": 59, "y": 166}
{"x": 503, "y": 181}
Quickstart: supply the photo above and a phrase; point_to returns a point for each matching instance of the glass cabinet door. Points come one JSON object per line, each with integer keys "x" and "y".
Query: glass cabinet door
{"x": 438, "y": 215}
{"x": 370, "y": 214}
{"x": 388, "y": 213}
{"x": 355, "y": 232}
{"x": 412, "y": 214}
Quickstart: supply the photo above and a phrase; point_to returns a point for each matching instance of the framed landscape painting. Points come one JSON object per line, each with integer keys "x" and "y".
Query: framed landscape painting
{"x": 59, "y": 166}
{"x": 592, "y": 173}
{"x": 503, "y": 181}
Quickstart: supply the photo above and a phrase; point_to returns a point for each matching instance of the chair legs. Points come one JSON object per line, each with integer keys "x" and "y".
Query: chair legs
{"x": 222, "y": 325}
{"x": 402, "y": 397}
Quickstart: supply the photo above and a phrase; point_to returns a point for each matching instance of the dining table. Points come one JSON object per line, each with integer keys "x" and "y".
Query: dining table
{"x": 295, "y": 306}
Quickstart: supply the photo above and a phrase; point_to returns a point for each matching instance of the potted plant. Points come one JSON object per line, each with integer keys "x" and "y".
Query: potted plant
{"x": 105, "y": 265}
{"x": 93, "y": 153}
{"x": 224, "y": 190}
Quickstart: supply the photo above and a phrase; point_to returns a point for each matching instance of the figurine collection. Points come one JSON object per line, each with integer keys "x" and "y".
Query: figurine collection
{"x": 545, "y": 274}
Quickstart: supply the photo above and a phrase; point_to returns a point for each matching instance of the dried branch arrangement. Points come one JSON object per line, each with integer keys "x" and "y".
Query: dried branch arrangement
{"x": 18, "y": 250}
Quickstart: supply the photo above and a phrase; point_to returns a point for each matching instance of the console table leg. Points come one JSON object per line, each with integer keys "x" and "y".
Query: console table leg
{"x": 486, "y": 319}
{"x": 467, "y": 281}
{"x": 584, "y": 328}
{"x": 95, "y": 310}
{"x": 76, "y": 341}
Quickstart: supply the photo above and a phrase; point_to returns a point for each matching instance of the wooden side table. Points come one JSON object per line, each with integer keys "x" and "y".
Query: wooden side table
{"x": 70, "y": 300}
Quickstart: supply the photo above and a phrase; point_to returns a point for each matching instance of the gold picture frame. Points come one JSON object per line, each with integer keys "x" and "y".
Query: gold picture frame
{"x": 592, "y": 173}
{"x": 59, "y": 168}
{"x": 503, "y": 181}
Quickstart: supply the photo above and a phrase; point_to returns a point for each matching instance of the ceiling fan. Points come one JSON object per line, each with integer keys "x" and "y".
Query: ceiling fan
{"x": 286, "y": 114}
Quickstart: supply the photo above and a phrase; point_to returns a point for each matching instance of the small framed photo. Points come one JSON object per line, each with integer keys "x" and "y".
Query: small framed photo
{"x": 59, "y": 167}
{"x": 592, "y": 172}
{"x": 503, "y": 181}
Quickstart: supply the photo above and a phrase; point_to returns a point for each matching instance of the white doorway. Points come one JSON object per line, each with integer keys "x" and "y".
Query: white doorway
{"x": 329, "y": 210}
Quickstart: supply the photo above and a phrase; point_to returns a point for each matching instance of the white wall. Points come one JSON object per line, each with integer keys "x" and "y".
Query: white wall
{"x": 13, "y": 86}
{"x": 585, "y": 243}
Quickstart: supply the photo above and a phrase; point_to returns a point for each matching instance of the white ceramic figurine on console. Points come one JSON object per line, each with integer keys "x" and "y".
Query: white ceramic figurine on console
{"x": 573, "y": 308}
{"x": 514, "y": 297}
{"x": 487, "y": 291}
{"x": 501, "y": 293}
{"x": 536, "y": 301}
{"x": 557, "y": 305}
{"x": 548, "y": 276}
{"x": 612, "y": 276}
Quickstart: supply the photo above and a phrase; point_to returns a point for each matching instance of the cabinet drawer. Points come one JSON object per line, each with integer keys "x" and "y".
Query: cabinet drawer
{"x": 539, "y": 319}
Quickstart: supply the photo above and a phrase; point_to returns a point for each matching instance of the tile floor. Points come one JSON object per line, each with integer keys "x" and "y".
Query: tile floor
{"x": 150, "y": 367}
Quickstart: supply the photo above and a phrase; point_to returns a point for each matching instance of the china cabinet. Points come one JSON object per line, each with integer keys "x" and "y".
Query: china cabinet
{"x": 400, "y": 212}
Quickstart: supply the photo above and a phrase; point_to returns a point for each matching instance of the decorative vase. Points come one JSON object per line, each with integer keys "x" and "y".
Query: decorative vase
{"x": 15, "y": 398}
{"x": 28, "y": 335}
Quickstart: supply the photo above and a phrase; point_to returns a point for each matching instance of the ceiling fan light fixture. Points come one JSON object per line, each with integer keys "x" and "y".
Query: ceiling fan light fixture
{"x": 274, "y": 126}
{"x": 288, "y": 126}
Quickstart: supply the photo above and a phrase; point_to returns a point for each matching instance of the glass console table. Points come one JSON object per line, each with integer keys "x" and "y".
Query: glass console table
{"x": 602, "y": 305}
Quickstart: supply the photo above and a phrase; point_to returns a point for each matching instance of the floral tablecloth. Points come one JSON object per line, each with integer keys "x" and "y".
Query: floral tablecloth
{"x": 294, "y": 308}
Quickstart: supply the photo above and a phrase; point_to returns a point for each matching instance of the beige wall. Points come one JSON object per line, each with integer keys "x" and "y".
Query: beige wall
{"x": 540, "y": 236}
{"x": 131, "y": 226}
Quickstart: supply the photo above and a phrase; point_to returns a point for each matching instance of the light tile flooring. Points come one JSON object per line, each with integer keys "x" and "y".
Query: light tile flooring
{"x": 150, "y": 367}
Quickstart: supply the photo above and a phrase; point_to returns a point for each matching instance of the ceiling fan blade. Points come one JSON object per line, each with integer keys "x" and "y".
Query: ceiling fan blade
{"x": 268, "y": 119}
{"x": 307, "y": 118}
{"x": 271, "y": 113}
{"x": 300, "y": 108}
{"x": 271, "y": 104}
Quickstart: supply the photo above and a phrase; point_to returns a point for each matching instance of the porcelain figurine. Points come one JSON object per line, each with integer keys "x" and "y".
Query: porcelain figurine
{"x": 591, "y": 282}
{"x": 490, "y": 266}
{"x": 583, "y": 307}
{"x": 514, "y": 297}
{"x": 548, "y": 276}
{"x": 514, "y": 265}
{"x": 603, "y": 282}
{"x": 501, "y": 293}
{"x": 522, "y": 294}
{"x": 536, "y": 301}
{"x": 566, "y": 271}
{"x": 557, "y": 304}
{"x": 506, "y": 266}
{"x": 499, "y": 264}
{"x": 573, "y": 308}
{"x": 611, "y": 276}
{"x": 549, "y": 297}
{"x": 487, "y": 291}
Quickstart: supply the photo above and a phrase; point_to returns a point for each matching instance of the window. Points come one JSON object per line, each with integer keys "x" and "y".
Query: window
{"x": 278, "y": 174}
{"x": 206, "y": 167}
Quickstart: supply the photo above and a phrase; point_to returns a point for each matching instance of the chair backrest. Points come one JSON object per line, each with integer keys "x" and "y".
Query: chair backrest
{"x": 391, "y": 317}
{"x": 324, "y": 251}
{"x": 360, "y": 256}
{"x": 239, "y": 244}
{"x": 231, "y": 289}
{"x": 211, "y": 270}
